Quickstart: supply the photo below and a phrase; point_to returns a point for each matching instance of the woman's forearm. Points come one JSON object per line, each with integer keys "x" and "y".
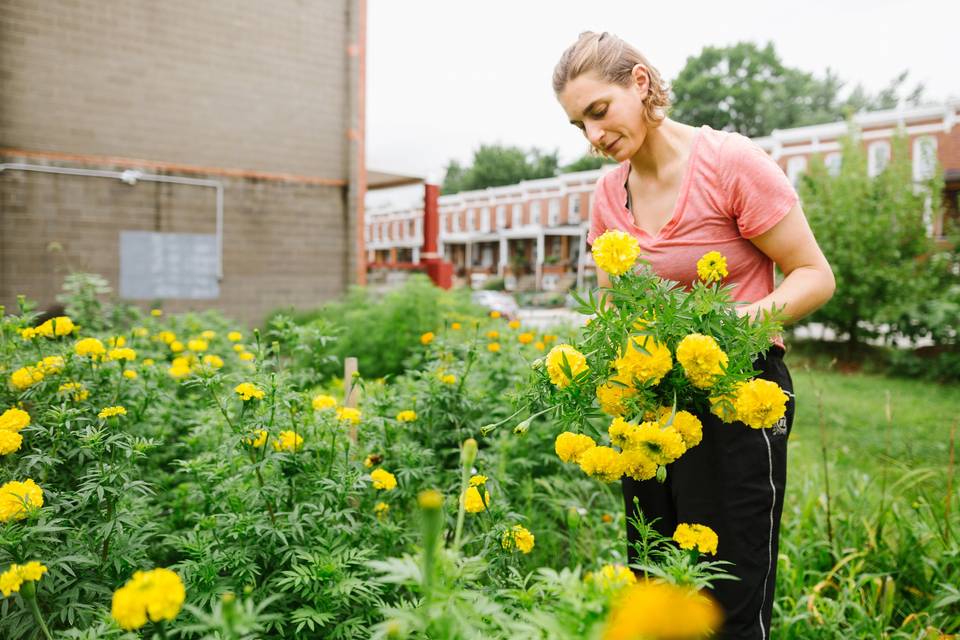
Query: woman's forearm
{"x": 802, "y": 292}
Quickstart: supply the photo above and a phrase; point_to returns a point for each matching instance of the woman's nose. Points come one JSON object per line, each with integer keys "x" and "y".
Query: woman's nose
{"x": 594, "y": 134}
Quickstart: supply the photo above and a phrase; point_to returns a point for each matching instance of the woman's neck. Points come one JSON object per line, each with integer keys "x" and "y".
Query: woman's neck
{"x": 663, "y": 147}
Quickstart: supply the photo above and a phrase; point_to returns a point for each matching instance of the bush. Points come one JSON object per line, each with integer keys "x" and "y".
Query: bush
{"x": 382, "y": 332}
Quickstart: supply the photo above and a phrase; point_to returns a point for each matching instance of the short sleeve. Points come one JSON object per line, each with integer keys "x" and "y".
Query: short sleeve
{"x": 759, "y": 194}
{"x": 600, "y": 203}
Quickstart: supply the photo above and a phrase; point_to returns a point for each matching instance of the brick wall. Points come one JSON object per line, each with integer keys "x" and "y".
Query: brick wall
{"x": 260, "y": 87}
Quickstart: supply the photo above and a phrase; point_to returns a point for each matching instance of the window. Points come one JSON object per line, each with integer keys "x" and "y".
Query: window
{"x": 833, "y": 162}
{"x": 501, "y": 216}
{"x": 878, "y": 156}
{"x": 553, "y": 212}
{"x": 516, "y": 215}
{"x": 795, "y": 168}
{"x": 455, "y": 222}
{"x": 471, "y": 220}
{"x": 535, "y": 212}
{"x": 485, "y": 219}
{"x": 573, "y": 208}
{"x": 924, "y": 158}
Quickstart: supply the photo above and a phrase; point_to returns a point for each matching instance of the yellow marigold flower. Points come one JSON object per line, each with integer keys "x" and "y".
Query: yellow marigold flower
{"x": 525, "y": 338}
{"x": 638, "y": 465}
{"x": 116, "y": 341}
{"x": 615, "y": 252}
{"x": 712, "y": 266}
{"x": 456, "y": 326}
{"x": 198, "y": 345}
{"x": 148, "y": 362}
{"x": 59, "y": 326}
{"x": 473, "y": 502}
{"x": 696, "y": 536}
{"x": 348, "y": 414}
{"x": 407, "y": 416}
{"x": 141, "y": 332}
{"x": 381, "y": 509}
{"x": 288, "y": 441}
{"x": 622, "y": 433}
{"x": 372, "y": 459}
{"x": 611, "y": 395}
{"x": 570, "y": 446}
{"x": 156, "y": 313}
{"x": 430, "y": 499}
{"x": 258, "y": 439}
{"x": 493, "y": 347}
{"x": 248, "y": 390}
{"x": 130, "y": 374}
{"x": 611, "y": 578}
{"x": 383, "y": 479}
{"x": 28, "y": 333}
{"x": 323, "y": 401}
{"x": 108, "y": 412}
{"x": 208, "y": 334}
{"x": 494, "y": 314}
{"x": 602, "y": 463}
{"x": 514, "y": 324}
{"x": 180, "y": 368}
{"x": 10, "y": 441}
{"x": 213, "y": 361}
{"x": 539, "y": 346}
{"x": 51, "y": 365}
{"x": 575, "y": 360}
{"x": 518, "y": 537}
{"x": 155, "y": 595}
{"x": 687, "y": 425}
{"x": 10, "y": 581}
{"x": 702, "y": 359}
{"x": 32, "y": 571}
{"x": 549, "y": 338}
{"x": 449, "y": 379}
{"x": 25, "y": 377}
{"x": 663, "y": 446}
{"x": 650, "y": 609}
{"x": 427, "y": 338}
{"x": 14, "y": 419}
{"x": 17, "y": 499}
{"x": 234, "y": 336}
{"x": 493, "y": 334}
{"x": 165, "y": 336}
{"x": 724, "y": 407}
{"x": 645, "y": 360}
{"x": 760, "y": 403}
{"x": 176, "y": 346}
{"x": 74, "y": 390}
{"x": 246, "y": 356}
{"x": 478, "y": 480}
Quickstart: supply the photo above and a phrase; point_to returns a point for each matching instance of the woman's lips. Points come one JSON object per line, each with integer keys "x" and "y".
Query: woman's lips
{"x": 612, "y": 145}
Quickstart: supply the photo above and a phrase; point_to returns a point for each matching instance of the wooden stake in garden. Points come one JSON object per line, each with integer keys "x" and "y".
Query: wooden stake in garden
{"x": 351, "y": 392}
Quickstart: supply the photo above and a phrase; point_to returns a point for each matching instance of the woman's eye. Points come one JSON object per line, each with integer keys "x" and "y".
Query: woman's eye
{"x": 599, "y": 114}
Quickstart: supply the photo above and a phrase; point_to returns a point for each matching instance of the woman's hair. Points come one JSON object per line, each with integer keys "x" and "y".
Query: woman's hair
{"x": 612, "y": 60}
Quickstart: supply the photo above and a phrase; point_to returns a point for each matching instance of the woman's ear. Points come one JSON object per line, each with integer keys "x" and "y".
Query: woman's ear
{"x": 641, "y": 78}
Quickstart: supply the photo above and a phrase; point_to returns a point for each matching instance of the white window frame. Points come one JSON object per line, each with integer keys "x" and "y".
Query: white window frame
{"x": 535, "y": 210}
{"x": 485, "y": 220}
{"x": 924, "y": 158}
{"x": 573, "y": 208}
{"x": 796, "y": 166}
{"x": 833, "y": 161}
{"x": 875, "y": 165}
{"x": 501, "y": 216}
{"x": 516, "y": 216}
{"x": 455, "y": 222}
{"x": 553, "y": 212}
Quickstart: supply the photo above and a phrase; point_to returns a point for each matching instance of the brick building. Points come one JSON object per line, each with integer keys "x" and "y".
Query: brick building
{"x": 534, "y": 233}
{"x": 202, "y": 155}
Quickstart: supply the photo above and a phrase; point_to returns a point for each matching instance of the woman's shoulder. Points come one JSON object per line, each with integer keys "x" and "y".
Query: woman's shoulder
{"x": 610, "y": 183}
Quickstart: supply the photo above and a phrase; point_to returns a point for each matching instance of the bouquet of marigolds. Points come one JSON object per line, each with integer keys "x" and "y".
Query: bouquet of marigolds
{"x": 653, "y": 357}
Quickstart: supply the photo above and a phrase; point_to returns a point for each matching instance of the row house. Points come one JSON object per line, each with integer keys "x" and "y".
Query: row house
{"x": 533, "y": 234}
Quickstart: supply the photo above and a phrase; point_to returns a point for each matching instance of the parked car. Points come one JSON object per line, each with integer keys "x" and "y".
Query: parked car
{"x": 497, "y": 301}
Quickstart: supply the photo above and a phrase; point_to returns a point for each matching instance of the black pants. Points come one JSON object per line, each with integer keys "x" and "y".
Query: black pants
{"x": 733, "y": 482}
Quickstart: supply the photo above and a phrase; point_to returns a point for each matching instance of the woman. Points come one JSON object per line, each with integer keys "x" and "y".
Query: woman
{"x": 683, "y": 191}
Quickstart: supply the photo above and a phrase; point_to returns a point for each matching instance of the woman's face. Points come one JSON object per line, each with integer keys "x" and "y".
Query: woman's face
{"x": 610, "y": 116}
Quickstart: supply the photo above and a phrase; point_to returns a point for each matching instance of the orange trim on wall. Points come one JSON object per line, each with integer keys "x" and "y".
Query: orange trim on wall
{"x": 99, "y": 161}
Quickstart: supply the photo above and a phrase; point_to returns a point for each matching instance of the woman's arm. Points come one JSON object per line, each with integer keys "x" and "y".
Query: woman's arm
{"x": 808, "y": 281}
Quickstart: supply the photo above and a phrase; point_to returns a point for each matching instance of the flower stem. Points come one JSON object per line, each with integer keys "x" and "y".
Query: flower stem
{"x": 30, "y": 595}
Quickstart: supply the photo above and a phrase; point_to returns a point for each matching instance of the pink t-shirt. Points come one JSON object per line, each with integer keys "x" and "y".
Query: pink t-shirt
{"x": 731, "y": 191}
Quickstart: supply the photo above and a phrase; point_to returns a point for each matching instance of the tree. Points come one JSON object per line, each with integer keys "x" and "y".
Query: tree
{"x": 495, "y": 165}
{"x": 874, "y": 235}
{"x": 586, "y": 163}
{"x": 748, "y": 89}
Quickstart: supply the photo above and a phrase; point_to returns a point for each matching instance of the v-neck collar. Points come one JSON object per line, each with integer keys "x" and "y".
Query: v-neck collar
{"x": 679, "y": 205}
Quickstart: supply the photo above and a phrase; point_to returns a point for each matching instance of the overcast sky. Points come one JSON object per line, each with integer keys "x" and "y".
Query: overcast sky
{"x": 444, "y": 76}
